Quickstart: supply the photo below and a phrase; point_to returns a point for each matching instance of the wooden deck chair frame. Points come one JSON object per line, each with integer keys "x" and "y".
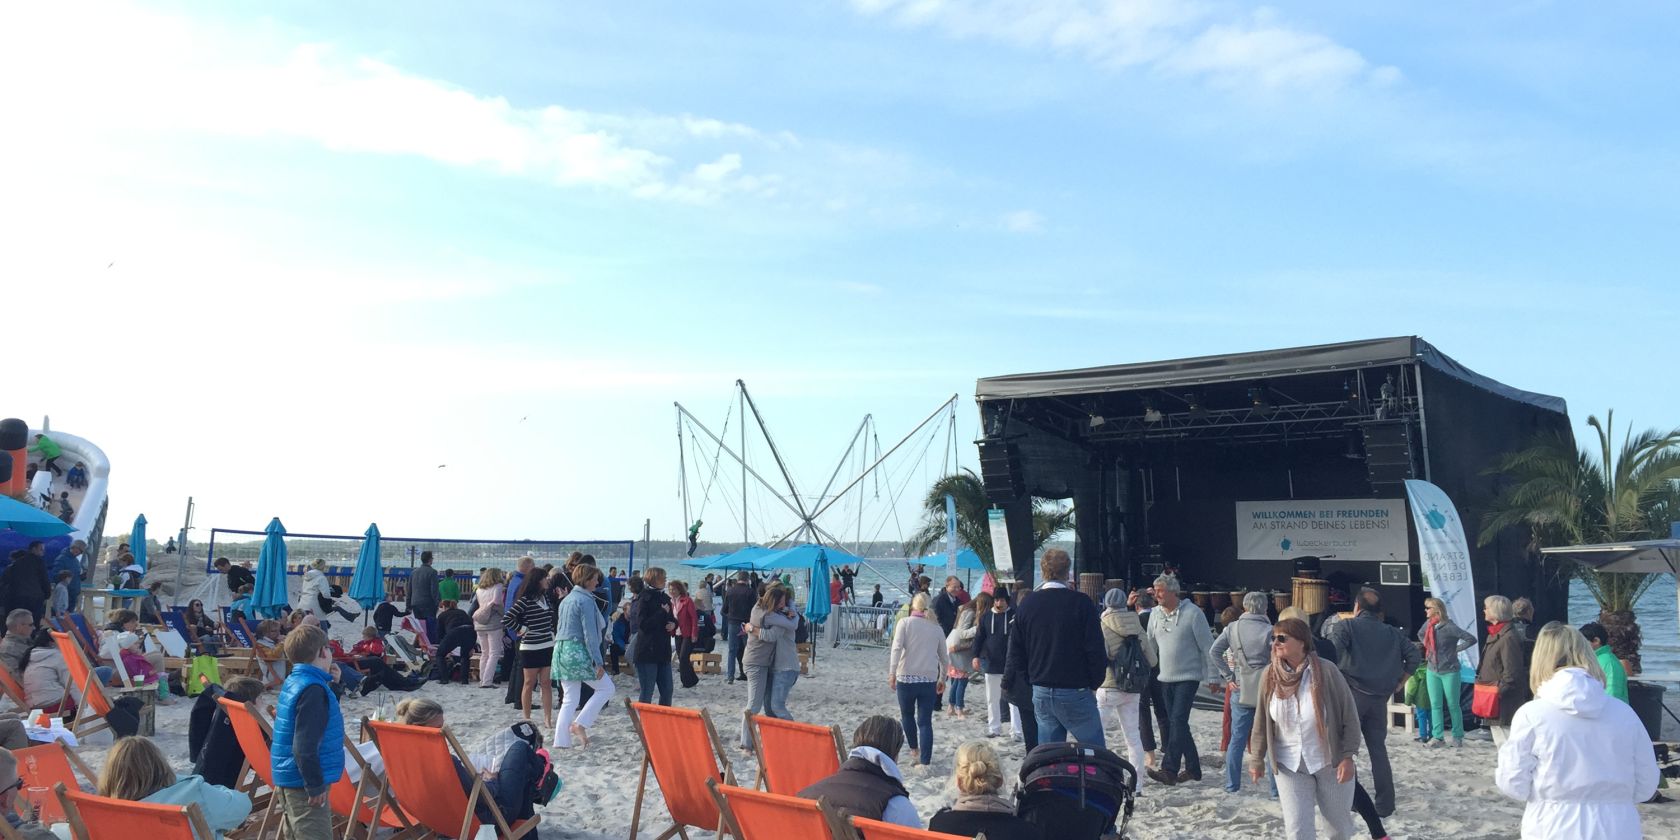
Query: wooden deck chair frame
{"x": 480, "y": 793}
{"x": 72, "y": 762}
{"x": 94, "y": 699}
{"x": 832, "y": 818}
{"x": 718, "y": 753}
{"x": 82, "y": 629}
{"x": 196, "y": 826}
{"x": 860, "y": 828}
{"x": 12, "y": 690}
{"x": 815, "y": 730}
{"x": 347, "y": 819}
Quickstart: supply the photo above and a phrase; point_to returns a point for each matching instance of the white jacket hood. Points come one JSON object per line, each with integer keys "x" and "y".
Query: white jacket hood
{"x": 879, "y": 759}
{"x": 1575, "y": 692}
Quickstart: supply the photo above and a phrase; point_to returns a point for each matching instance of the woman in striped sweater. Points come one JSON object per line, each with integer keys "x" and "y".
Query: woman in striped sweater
{"x": 532, "y": 617}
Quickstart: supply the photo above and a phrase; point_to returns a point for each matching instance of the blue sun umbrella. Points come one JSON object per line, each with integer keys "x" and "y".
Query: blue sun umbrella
{"x": 368, "y": 585}
{"x": 137, "y": 540}
{"x": 743, "y": 559}
{"x": 270, "y": 595}
{"x": 29, "y": 520}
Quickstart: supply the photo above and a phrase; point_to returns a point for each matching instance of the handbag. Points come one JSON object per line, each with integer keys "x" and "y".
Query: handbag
{"x": 1484, "y": 701}
{"x": 205, "y": 666}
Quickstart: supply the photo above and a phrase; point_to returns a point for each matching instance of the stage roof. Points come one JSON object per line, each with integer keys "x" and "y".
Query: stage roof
{"x": 1202, "y": 370}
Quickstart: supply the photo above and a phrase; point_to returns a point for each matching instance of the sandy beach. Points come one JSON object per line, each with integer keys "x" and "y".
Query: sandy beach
{"x": 1440, "y": 793}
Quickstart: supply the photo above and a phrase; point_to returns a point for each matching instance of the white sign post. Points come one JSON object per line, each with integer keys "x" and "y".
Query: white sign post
{"x": 1444, "y": 556}
{"x": 1350, "y": 529}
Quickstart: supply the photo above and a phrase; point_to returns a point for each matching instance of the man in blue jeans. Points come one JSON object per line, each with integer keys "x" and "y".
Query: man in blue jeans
{"x": 1058, "y": 644}
{"x": 1180, "y": 633}
{"x": 738, "y": 601}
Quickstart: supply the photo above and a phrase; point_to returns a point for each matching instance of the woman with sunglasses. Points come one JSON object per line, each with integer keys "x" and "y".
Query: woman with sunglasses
{"x": 1306, "y": 731}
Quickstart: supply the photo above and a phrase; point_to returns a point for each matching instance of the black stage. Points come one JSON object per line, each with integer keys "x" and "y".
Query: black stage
{"x": 1155, "y": 457}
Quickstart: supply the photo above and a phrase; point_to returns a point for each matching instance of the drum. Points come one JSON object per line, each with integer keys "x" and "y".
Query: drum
{"x": 1280, "y": 601}
{"x": 1312, "y": 595}
{"x": 1202, "y": 599}
{"x": 1091, "y": 583}
{"x": 1221, "y": 600}
{"x": 1237, "y": 596}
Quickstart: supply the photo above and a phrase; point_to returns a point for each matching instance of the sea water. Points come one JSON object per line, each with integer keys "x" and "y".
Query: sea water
{"x": 1659, "y": 622}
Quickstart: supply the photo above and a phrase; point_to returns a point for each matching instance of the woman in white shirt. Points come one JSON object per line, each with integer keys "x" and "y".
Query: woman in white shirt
{"x": 916, "y": 673}
{"x": 1306, "y": 731}
{"x": 1579, "y": 757}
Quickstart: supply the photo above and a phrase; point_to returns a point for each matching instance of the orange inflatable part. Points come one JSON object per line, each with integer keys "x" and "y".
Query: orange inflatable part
{"x": 20, "y": 472}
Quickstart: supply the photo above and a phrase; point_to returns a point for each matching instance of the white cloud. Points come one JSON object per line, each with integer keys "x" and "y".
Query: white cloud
{"x": 180, "y": 80}
{"x": 1185, "y": 38}
{"x": 1023, "y": 221}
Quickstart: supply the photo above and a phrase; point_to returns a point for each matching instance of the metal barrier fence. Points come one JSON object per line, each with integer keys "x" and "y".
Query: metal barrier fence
{"x": 858, "y": 626}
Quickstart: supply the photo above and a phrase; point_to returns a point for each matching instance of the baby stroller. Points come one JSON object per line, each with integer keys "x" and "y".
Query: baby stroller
{"x": 1076, "y": 791}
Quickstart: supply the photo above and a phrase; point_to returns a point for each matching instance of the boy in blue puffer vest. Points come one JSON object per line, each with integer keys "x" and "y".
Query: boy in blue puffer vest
{"x": 308, "y": 735}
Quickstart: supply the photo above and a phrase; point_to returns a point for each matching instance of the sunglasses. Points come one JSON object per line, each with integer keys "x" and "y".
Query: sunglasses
{"x": 1278, "y": 640}
{"x": 17, "y": 785}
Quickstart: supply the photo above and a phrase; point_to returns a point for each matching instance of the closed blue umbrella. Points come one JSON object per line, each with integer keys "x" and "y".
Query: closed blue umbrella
{"x": 29, "y": 520}
{"x": 817, "y": 606}
{"x": 269, "y": 594}
{"x": 368, "y": 585}
{"x": 137, "y": 540}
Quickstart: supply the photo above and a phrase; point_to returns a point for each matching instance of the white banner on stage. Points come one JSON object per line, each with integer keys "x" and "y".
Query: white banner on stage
{"x": 1444, "y": 557}
{"x": 1351, "y": 529}
{"x": 1002, "y": 559}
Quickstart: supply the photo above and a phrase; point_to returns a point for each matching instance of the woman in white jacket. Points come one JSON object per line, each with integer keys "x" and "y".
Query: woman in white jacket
{"x": 1579, "y": 757}
{"x": 315, "y": 594}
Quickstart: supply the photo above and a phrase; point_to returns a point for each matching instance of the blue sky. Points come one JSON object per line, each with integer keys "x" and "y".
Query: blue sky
{"x": 307, "y": 252}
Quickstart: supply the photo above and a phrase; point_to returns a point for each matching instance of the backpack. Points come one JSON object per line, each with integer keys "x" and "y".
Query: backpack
{"x": 1131, "y": 667}
{"x": 803, "y": 634}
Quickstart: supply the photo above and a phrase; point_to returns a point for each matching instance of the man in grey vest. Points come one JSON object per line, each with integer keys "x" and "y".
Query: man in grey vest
{"x": 1240, "y": 655}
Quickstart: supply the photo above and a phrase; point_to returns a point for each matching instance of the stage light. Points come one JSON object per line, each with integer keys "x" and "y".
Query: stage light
{"x": 1350, "y": 390}
{"x": 1150, "y": 413}
{"x": 1197, "y": 412}
{"x": 1098, "y": 420}
{"x": 1261, "y": 402}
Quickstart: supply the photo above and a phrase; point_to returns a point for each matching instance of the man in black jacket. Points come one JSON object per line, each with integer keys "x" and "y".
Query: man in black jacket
{"x": 24, "y": 584}
{"x": 1376, "y": 658}
{"x": 947, "y": 603}
{"x": 1058, "y": 646}
{"x": 738, "y": 603}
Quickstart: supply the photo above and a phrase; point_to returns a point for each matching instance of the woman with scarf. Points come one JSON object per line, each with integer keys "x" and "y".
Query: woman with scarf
{"x": 1306, "y": 731}
{"x": 1442, "y": 642}
{"x": 980, "y": 808}
{"x": 1504, "y": 665}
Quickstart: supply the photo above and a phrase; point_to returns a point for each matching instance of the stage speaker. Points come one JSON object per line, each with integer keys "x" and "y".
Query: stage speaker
{"x": 1000, "y": 471}
{"x": 1388, "y": 455}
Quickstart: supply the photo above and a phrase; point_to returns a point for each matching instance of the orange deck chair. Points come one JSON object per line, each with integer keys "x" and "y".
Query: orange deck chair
{"x": 793, "y": 755}
{"x": 48, "y": 765}
{"x": 420, "y": 775}
{"x": 100, "y": 818}
{"x": 12, "y": 690}
{"x": 867, "y": 829}
{"x": 755, "y": 815}
{"x": 95, "y": 703}
{"x": 682, "y": 747}
{"x": 350, "y": 802}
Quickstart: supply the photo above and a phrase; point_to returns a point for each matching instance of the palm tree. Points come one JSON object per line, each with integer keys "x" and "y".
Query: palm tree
{"x": 973, "y": 529}
{"x": 1569, "y": 497}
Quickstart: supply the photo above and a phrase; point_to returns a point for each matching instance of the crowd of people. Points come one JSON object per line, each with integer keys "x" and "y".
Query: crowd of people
{"x": 1303, "y": 699}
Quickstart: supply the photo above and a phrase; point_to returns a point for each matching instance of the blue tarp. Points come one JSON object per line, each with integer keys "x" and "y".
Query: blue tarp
{"x": 967, "y": 559}
{"x": 269, "y": 594}
{"x": 368, "y": 584}
{"x": 30, "y": 521}
{"x": 807, "y": 556}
